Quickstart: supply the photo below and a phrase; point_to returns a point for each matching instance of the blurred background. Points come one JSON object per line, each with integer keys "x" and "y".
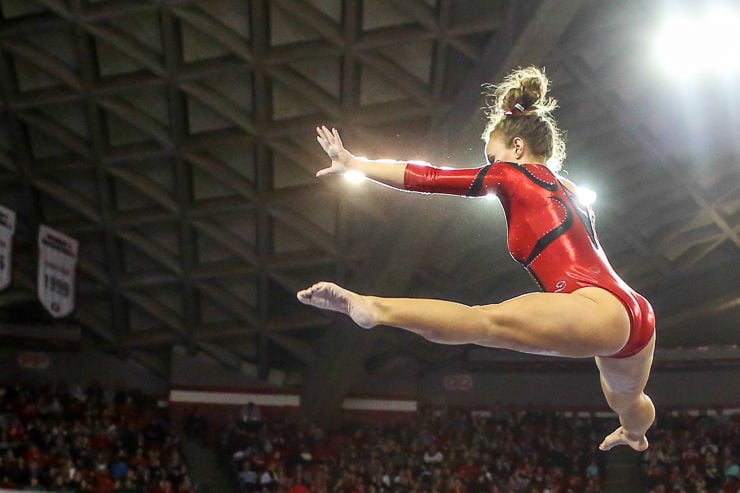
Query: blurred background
{"x": 175, "y": 140}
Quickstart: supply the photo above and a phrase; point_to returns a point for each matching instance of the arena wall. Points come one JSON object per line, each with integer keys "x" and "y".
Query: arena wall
{"x": 79, "y": 366}
{"x": 502, "y": 383}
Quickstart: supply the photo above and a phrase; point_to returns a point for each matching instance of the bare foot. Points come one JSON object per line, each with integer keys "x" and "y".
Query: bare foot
{"x": 329, "y": 296}
{"x": 621, "y": 437}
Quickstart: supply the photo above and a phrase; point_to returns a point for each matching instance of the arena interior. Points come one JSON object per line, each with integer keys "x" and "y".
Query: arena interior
{"x": 170, "y": 144}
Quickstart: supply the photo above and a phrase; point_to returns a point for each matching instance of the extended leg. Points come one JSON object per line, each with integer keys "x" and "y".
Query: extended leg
{"x": 581, "y": 324}
{"x": 623, "y": 382}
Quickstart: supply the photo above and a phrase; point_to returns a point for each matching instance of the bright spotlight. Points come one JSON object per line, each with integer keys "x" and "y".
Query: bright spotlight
{"x": 553, "y": 164}
{"x": 586, "y": 196}
{"x": 708, "y": 43}
{"x": 354, "y": 176}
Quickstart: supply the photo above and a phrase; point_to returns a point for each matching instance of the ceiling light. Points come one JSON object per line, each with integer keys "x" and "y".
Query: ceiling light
{"x": 700, "y": 44}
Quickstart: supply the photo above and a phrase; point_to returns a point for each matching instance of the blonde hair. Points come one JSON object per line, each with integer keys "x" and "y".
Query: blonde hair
{"x": 517, "y": 107}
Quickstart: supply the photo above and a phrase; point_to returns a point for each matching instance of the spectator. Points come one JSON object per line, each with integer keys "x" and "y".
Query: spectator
{"x": 709, "y": 444}
{"x": 433, "y": 456}
{"x": 55, "y": 439}
{"x": 251, "y": 417}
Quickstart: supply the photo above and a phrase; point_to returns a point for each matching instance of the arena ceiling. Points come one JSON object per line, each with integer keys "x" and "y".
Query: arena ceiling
{"x": 175, "y": 140}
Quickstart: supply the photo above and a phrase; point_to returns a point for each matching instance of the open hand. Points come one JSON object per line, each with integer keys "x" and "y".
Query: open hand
{"x": 332, "y": 145}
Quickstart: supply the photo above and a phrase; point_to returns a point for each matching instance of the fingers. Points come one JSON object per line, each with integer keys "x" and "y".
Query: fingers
{"x": 337, "y": 138}
{"x": 325, "y": 138}
{"x": 329, "y": 136}
{"x": 332, "y": 145}
{"x": 323, "y": 143}
{"x": 322, "y": 139}
{"x": 325, "y": 133}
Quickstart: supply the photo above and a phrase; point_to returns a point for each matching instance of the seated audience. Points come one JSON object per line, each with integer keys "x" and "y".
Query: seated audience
{"x": 78, "y": 440}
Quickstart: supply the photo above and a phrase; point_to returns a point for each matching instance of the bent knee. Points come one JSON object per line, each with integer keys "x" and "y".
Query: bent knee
{"x": 620, "y": 402}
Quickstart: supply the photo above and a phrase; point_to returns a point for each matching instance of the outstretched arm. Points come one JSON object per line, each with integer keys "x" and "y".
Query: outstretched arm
{"x": 401, "y": 175}
{"x": 387, "y": 172}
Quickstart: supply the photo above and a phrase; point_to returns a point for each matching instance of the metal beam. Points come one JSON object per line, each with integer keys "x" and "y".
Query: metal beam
{"x": 708, "y": 309}
{"x": 438, "y": 25}
{"x": 152, "y": 249}
{"x": 177, "y": 114}
{"x": 231, "y": 303}
{"x": 304, "y": 227}
{"x": 262, "y": 104}
{"x": 61, "y": 134}
{"x": 159, "y": 311}
{"x": 350, "y": 83}
{"x": 311, "y": 16}
{"x": 526, "y": 37}
{"x": 140, "y": 120}
{"x": 74, "y": 201}
{"x": 304, "y": 352}
{"x": 439, "y": 60}
{"x": 152, "y": 190}
{"x": 216, "y": 30}
{"x": 224, "y": 173}
{"x": 220, "y": 104}
{"x": 45, "y": 62}
{"x": 228, "y": 241}
{"x": 22, "y": 156}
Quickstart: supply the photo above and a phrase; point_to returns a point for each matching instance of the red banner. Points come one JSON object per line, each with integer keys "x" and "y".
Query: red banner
{"x": 33, "y": 361}
{"x": 458, "y": 382}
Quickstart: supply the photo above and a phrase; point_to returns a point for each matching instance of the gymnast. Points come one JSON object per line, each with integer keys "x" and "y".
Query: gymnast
{"x": 585, "y": 309}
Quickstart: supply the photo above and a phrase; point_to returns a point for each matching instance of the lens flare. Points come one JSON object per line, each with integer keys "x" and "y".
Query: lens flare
{"x": 354, "y": 176}
{"x": 586, "y": 195}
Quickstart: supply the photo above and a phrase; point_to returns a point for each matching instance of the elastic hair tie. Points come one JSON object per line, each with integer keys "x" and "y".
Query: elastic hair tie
{"x": 517, "y": 110}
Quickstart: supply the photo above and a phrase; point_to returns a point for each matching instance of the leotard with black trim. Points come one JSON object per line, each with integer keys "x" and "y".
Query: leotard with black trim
{"x": 550, "y": 232}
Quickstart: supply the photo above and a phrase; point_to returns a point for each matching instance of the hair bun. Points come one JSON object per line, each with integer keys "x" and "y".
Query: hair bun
{"x": 526, "y": 87}
{"x": 519, "y": 106}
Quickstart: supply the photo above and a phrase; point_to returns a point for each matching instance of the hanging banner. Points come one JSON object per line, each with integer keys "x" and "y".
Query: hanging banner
{"x": 56, "y": 279}
{"x": 7, "y": 227}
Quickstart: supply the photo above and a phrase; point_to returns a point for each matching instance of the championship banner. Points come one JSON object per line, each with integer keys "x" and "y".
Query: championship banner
{"x": 7, "y": 227}
{"x": 56, "y": 279}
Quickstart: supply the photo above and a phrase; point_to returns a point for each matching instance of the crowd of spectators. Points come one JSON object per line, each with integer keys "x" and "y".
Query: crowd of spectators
{"x": 55, "y": 438}
{"x": 693, "y": 454}
{"x": 450, "y": 451}
{"x": 455, "y": 451}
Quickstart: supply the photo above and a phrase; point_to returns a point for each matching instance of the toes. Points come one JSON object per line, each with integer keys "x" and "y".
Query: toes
{"x": 619, "y": 437}
{"x": 305, "y": 295}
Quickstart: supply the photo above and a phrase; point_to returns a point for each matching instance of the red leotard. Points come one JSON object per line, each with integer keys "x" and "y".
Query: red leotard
{"x": 549, "y": 232}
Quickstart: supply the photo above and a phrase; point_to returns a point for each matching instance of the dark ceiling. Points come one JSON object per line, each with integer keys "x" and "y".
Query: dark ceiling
{"x": 175, "y": 141}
